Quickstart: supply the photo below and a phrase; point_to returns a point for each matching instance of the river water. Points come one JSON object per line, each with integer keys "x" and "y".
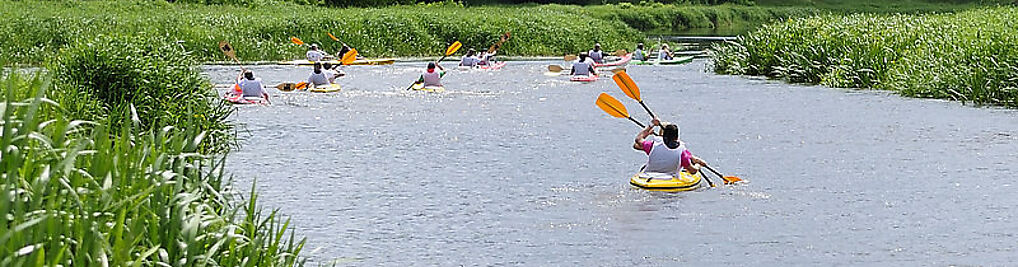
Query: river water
{"x": 513, "y": 167}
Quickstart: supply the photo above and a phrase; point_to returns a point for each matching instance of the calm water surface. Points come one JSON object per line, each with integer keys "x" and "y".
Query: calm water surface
{"x": 517, "y": 168}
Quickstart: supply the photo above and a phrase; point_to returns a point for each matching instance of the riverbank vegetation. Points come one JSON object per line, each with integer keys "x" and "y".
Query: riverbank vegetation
{"x": 970, "y": 56}
{"x": 35, "y": 30}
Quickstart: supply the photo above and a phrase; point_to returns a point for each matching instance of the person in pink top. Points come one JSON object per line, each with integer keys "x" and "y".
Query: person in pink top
{"x": 666, "y": 155}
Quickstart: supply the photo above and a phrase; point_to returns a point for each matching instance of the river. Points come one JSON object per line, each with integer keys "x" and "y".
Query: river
{"x": 513, "y": 167}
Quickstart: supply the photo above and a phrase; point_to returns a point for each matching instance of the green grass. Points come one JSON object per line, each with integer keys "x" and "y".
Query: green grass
{"x": 76, "y": 194}
{"x": 970, "y": 56}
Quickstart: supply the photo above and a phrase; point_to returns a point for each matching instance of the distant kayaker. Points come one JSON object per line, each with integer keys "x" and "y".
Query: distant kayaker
{"x": 318, "y": 77}
{"x": 487, "y": 58}
{"x": 471, "y": 59}
{"x": 331, "y": 72}
{"x": 666, "y": 154}
{"x": 432, "y": 78}
{"x": 639, "y": 54}
{"x": 583, "y": 66}
{"x": 251, "y": 86}
{"x": 346, "y": 48}
{"x": 665, "y": 53}
{"x": 596, "y": 54}
{"x": 315, "y": 55}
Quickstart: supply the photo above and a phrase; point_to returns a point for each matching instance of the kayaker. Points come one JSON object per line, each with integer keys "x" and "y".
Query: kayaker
{"x": 471, "y": 59}
{"x": 315, "y": 55}
{"x": 318, "y": 77}
{"x": 432, "y": 78}
{"x": 665, "y": 53}
{"x": 487, "y": 58}
{"x": 596, "y": 54}
{"x": 583, "y": 66}
{"x": 331, "y": 72}
{"x": 639, "y": 54}
{"x": 666, "y": 154}
{"x": 251, "y": 86}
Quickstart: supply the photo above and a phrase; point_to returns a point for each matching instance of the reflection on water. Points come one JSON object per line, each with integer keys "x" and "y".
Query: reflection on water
{"x": 516, "y": 168}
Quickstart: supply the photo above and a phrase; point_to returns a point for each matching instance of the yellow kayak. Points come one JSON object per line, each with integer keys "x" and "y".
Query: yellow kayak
{"x": 379, "y": 61}
{"x": 420, "y": 87}
{"x": 326, "y": 88}
{"x": 666, "y": 182}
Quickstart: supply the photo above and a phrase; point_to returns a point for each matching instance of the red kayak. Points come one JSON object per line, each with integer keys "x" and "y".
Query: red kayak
{"x": 624, "y": 60}
{"x": 241, "y": 100}
{"x": 583, "y": 78}
{"x": 496, "y": 66}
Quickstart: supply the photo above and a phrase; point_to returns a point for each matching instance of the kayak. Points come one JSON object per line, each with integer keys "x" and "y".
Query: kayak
{"x": 496, "y": 66}
{"x": 333, "y": 87}
{"x": 622, "y": 61}
{"x": 583, "y": 78}
{"x": 667, "y": 182}
{"x": 420, "y": 88}
{"x": 380, "y": 61}
{"x": 241, "y": 100}
{"x": 675, "y": 61}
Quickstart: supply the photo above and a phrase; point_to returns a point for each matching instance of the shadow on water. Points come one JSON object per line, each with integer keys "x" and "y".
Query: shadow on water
{"x": 517, "y": 168}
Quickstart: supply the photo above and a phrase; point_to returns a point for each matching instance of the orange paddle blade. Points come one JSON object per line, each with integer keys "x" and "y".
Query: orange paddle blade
{"x": 612, "y": 106}
{"x": 453, "y": 48}
{"x": 349, "y": 57}
{"x": 296, "y": 40}
{"x": 333, "y": 37}
{"x": 301, "y": 86}
{"x": 627, "y": 85}
{"x": 731, "y": 179}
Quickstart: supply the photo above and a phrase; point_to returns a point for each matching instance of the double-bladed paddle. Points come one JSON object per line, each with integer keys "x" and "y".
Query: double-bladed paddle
{"x": 455, "y": 46}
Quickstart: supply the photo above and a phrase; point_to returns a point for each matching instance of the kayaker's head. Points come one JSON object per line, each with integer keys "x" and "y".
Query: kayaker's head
{"x": 431, "y": 67}
{"x": 664, "y": 46}
{"x": 583, "y": 56}
{"x": 471, "y": 52}
{"x": 318, "y": 67}
{"x": 327, "y": 65}
{"x": 314, "y": 47}
{"x": 639, "y": 46}
{"x": 249, "y": 75}
{"x": 597, "y": 47}
{"x": 670, "y": 133}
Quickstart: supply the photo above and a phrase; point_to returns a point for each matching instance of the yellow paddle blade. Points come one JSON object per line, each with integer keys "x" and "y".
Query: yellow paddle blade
{"x": 627, "y": 85}
{"x": 569, "y": 57}
{"x": 227, "y": 49}
{"x": 612, "y": 106}
{"x": 620, "y": 69}
{"x": 731, "y": 179}
{"x": 555, "y": 68}
{"x": 296, "y": 40}
{"x": 349, "y": 57}
{"x": 453, "y": 48}
{"x": 333, "y": 37}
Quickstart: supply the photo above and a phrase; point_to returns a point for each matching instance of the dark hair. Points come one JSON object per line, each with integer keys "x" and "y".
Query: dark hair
{"x": 318, "y": 67}
{"x": 583, "y": 56}
{"x": 671, "y": 135}
{"x": 431, "y": 65}
{"x": 639, "y": 46}
{"x": 471, "y": 52}
{"x": 249, "y": 75}
{"x": 327, "y": 65}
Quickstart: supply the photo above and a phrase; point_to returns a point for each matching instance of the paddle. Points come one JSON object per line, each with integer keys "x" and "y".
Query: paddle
{"x": 296, "y": 40}
{"x": 498, "y": 44}
{"x": 349, "y": 57}
{"x": 333, "y": 37}
{"x": 614, "y": 108}
{"x": 286, "y": 87}
{"x": 621, "y": 53}
{"x": 570, "y": 57}
{"x": 448, "y": 52}
{"x": 229, "y": 52}
{"x": 629, "y": 87}
{"x": 728, "y": 179}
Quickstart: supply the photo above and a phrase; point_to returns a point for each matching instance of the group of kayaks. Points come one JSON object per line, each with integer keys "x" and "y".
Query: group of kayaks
{"x": 624, "y": 60}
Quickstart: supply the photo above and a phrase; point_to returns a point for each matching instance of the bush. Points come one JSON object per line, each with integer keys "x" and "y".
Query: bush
{"x": 103, "y": 78}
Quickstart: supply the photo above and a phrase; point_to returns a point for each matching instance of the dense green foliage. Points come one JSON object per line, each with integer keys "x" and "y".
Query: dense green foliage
{"x": 969, "y": 56}
{"x": 672, "y": 18}
{"x": 102, "y": 78}
{"x": 75, "y": 194}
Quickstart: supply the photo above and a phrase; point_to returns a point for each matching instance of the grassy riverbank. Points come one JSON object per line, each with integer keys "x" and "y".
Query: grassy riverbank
{"x": 35, "y": 30}
{"x": 970, "y": 56}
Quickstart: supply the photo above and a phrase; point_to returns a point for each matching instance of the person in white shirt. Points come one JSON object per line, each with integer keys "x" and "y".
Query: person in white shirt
{"x": 318, "y": 77}
{"x": 251, "y": 86}
{"x": 315, "y": 55}
{"x": 470, "y": 60}
{"x": 583, "y": 66}
{"x": 331, "y": 72}
{"x": 596, "y": 54}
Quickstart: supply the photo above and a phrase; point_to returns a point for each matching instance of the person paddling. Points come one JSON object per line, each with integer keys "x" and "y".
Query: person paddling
{"x": 487, "y": 58}
{"x": 639, "y": 54}
{"x": 665, "y": 155}
{"x": 665, "y": 53}
{"x": 251, "y": 86}
{"x": 583, "y": 66}
{"x": 471, "y": 59}
{"x": 315, "y": 55}
{"x": 596, "y": 54}
{"x": 331, "y": 73}
{"x": 318, "y": 77}
{"x": 432, "y": 78}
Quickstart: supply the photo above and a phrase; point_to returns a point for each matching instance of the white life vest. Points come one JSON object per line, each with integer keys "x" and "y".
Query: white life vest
{"x": 317, "y": 79}
{"x": 251, "y": 87}
{"x": 663, "y": 159}
{"x": 432, "y": 79}
{"x": 597, "y": 56}
{"x": 314, "y": 55}
{"x": 469, "y": 61}
{"x": 638, "y": 55}
{"x": 581, "y": 68}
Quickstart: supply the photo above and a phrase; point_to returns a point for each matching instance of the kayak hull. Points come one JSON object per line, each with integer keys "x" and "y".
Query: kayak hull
{"x": 675, "y": 61}
{"x": 419, "y": 87}
{"x": 583, "y": 78}
{"x": 623, "y": 61}
{"x": 380, "y": 61}
{"x": 496, "y": 66}
{"x": 331, "y": 88}
{"x": 683, "y": 182}
{"x": 241, "y": 100}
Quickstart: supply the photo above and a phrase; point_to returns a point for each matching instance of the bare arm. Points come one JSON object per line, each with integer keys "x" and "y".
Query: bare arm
{"x": 647, "y": 131}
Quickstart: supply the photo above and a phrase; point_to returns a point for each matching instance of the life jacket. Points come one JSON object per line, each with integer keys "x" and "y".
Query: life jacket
{"x": 663, "y": 159}
{"x": 638, "y": 55}
{"x": 581, "y": 68}
{"x": 314, "y": 56}
{"x": 251, "y": 87}
{"x": 469, "y": 61}
{"x": 597, "y": 56}
{"x": 317, "y": 79}
{"x": 432, "y": 79}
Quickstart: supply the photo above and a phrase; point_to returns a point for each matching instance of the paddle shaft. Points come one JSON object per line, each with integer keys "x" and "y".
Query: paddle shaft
{"x": 647, "y": 109}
